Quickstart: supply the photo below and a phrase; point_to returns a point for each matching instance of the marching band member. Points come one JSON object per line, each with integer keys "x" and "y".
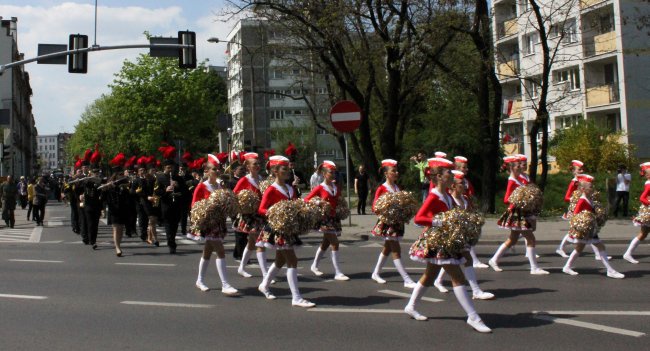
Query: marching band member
{"x": 214, "y": 238}
{"x": 117, "y": 196}
{"x": 514, "y": 181}
{"x": 645, "y": 225}
{"x": 391, "y": 234}
{"x": 439, "y": 201}
{"x": 284, "y": 245}
{"x": 585, "y": 204}
{"x": 331, "y": 226}
{"x": 251, "y": 224}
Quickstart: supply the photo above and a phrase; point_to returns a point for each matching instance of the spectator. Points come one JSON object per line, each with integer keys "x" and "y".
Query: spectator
{"x": 420, "y": 161}
{"x": 9, "y": 192}
{"x": 298, "y": 178}
{"x": 361, "y": 189}
{"x": 22, "y": 192}
{"x": 40, "y": 199}
{"x": 30, "y": 200}
{"x": 623, "y": 179}
{"x": 315, "y": 179}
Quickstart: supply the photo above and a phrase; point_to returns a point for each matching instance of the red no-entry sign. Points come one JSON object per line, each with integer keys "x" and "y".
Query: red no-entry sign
{"x": 345, "y": 116}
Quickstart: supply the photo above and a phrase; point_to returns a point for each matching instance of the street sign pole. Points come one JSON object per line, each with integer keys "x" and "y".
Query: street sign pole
{"x": 347, "y": 176}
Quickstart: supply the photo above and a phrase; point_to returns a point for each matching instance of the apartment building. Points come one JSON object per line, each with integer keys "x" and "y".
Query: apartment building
{"x": 277, "y": 111}
{"x": 600, "y": 69}
{"x": 51, "y": 152}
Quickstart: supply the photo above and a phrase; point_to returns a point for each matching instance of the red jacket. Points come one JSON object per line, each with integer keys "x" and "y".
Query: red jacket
{"x": 431, "y": 206}
{"x": 646, "y": 192}
{"x": 583, "y": 205}
{"x": 202, "y": 192}
{"x": 572, "y": 187}
{"x": 273, "y": 195}
{"x": 469, "y": 189}
{"x": 245, "y": 184}
{"x": 381, "y": 190}
{"x": 321, "y": 192}
{"x": 512, "y": 185}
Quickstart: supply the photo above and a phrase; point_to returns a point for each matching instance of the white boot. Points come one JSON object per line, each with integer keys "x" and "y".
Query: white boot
{"x": 338, "y": 275}
{"x": 246, "y": 255}
{"x": 203, "y": 266}
{"x": 473, "y": 319}
{"x": 261, "y": 260}
{"x": 296, "y": 298}
{"x": 314, "y": 266}
{"x": 532, "y": 258}
{"x": 569, "y": 263}
{"x": 226, "y": 288}
{"x": 380, "y": 264}
{"x": 408, "y": 282}
{"x": 438, "y": 282}
{"x": 268, "y": 277}
{"x": 628, "y": 254}
{"x": 475, "y": 261}
{"x": 477, "y": 293}
{"x": 611, "y": 272}
{"x": 560, "y": 248}
{"x": 494, "y": 261}
{"x": 417, "y": 294}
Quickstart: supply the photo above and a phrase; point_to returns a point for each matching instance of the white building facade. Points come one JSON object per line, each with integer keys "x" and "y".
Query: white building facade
{"x": 48, "y": 151}
{"x": 600, "y": 70}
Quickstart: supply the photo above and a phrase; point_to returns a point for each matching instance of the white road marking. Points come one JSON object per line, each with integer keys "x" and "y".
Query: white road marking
{"x": 403, "y": 294}
{"x": 407, "y": 268}
{"x": 166, "y": 304}
{"x": 372, "y": 245}
{"x": 51, "y": 242}
{"x": 36, "y": 234}
{"x": 39, "y": 261}
{"x": 54, "y": 223}
{"x": 29, "y": 297}
{"x": 593, "y": 326}
{"x": 354, "y": 310}
{"x": 145, "y": 264}
{"x": 598, "y": 313}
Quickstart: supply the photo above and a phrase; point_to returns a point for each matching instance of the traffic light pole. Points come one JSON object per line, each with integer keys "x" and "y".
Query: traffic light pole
{"x": 93, "y": 48}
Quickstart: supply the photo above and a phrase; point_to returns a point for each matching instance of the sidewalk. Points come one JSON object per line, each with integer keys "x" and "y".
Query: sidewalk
{"x": 549, "y": 230}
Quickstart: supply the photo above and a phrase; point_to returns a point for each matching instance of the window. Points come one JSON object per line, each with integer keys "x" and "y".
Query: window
{"x": 321, "y": 91}
{"x": 321, "y": 131}
{"x": 532, "y": 89}
{"x": 569, "y": 76}
{"x": 295, "y": 71}
{"x": 606, "y": 23}
{"x": 530, "y": 41}
{"x": 277, "y": 114}
{"x": 564, "y": 122}
{"x": 570, "y": 33}
{"x": 525, "y": 5}
{"x": 276, "y": 74}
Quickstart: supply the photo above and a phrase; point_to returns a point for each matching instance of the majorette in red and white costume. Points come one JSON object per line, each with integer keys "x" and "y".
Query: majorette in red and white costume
{"x": 284, "y": 244}
{"x": 330, "y": 226}
{"x": 576, "y": 166}
{"x": 390, "y": 233}
{"x": 514, "y": 163}
{"x": 585, "y": 203}
{"x": 250, "y": 224}
{"x": 640, "y": 220}
{"x": 214, "y": 238}
{"x": 461, "y": 165}
{"x": 437, "y": 202}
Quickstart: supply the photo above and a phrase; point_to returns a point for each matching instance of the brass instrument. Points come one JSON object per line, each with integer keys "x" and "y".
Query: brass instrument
{"x": 155, "y": 200}
{"x": 114, "y": 182}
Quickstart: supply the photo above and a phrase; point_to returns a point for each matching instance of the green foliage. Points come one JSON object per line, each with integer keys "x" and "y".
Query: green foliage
{"x": 600, "y": 149}
{"x": 152, "y": 101}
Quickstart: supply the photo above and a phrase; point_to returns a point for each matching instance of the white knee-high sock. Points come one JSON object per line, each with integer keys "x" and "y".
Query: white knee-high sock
{"x": 472, "y": 253}
{"x": 223, "y": 273}
{"x": 439, "y": 277}
{"x": 400, "y": 268}
{"x": 596, "y": 251}
{"x": 561, "y": 246}
{"x": 261, "y": 260}
{"x": 246, "y": 255}
{"x": 605, "y": 260}
{"x": 335, "y": 262}
{"x": 499, "y": 252}
{"x": 417, "y": 294}
{"x": 292, "y": 278}
{"x": 530, "y": 253}
{"x": 319, "y": 255}
{"x": 203, "y": 267}
{"x": 270, "y": 274}
{"x": 470, "y": 275}
{"x": 633, "y": 244}
{"x": 465, "y": 301}
{"x": 569, "y": 262}
{"x": 380, "y": 263}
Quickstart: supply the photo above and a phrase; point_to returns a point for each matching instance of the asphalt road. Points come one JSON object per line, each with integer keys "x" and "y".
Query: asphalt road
{"x": 58, "y": 294}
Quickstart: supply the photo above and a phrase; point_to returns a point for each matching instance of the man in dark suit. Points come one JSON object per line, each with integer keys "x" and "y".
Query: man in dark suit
{"x": 171, "y": 188}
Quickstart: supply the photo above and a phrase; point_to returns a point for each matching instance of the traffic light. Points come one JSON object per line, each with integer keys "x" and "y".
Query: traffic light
{"x": 5, "y": 151}
{"x": 78, "y": 63}
{"x": 187, "y": 56}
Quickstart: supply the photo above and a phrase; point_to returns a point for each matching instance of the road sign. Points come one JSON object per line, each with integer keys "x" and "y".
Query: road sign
{"x": 345, "y": 116}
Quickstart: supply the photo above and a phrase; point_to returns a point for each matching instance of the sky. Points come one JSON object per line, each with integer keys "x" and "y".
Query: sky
{"x": 59, "y": 98}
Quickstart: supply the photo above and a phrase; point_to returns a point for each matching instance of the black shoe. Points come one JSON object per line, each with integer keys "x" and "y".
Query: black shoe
{"x": 156, "y": 243}
{"x": 86, "y": 242}
{"x": 94, "y": 246}
{"x": 172, "y": 250}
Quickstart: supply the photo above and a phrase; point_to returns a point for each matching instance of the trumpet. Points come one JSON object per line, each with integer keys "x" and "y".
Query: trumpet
{"x": 155, "y": 200}
{"x": 114, "y": 182}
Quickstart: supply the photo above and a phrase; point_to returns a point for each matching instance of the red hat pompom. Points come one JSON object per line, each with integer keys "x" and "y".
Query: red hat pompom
{"x": 118, "y": 160}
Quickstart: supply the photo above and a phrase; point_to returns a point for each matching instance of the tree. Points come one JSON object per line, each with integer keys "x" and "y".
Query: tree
{"x": 153, "y": 101}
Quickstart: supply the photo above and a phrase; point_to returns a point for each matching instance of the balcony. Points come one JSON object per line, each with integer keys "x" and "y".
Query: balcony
{"x": 508, "y": 69}
{"x": 515, "y": 110}
{"x": 605, "y": 43}
{"x": 508, "y": 28}
{"x": 589, "y": 3}
{"x": 602, "y": 95}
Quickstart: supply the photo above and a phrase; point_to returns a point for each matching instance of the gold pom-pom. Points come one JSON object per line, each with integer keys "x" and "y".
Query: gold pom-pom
{"x": 198, "y": 217}
{"x": 601, "y": 213}
{"x": 575, "y": 196}
{"x": 528, "y": 198}
{"x": 292, "y": 217}
{"x": 643, "y": 217}
{"x": 249, "y": 202}
{"x": 583, "y": 225}
{"x": 342, "y": 210}
{"x": 323, "y": 206}
{"x": 459, "y": 228}
{"x": 222, "y": 204}
{"x": 266, "y": 183}
{"x": 395, "y": 208}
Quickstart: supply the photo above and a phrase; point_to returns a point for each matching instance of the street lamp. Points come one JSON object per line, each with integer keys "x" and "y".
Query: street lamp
{"x": 252, "y": 78}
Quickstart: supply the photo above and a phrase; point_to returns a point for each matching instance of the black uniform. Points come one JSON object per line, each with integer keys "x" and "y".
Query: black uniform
{"x": 138, "y": 191}
{"x": 170, "y": 204}
{"x": 187, "y": 200}
{"x": 73, "y": 200}
{"x": 92, "y": 209}
{"x": 117, "y": 199}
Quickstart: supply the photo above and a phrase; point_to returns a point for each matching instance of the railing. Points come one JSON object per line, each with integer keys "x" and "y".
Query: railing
{"x": 508, "y": 28}
{"x": 602, "y": 95}
{"x": 605, "y": 42}
{"x": 508, "y": 69}
{"x": 588, "y": 3}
